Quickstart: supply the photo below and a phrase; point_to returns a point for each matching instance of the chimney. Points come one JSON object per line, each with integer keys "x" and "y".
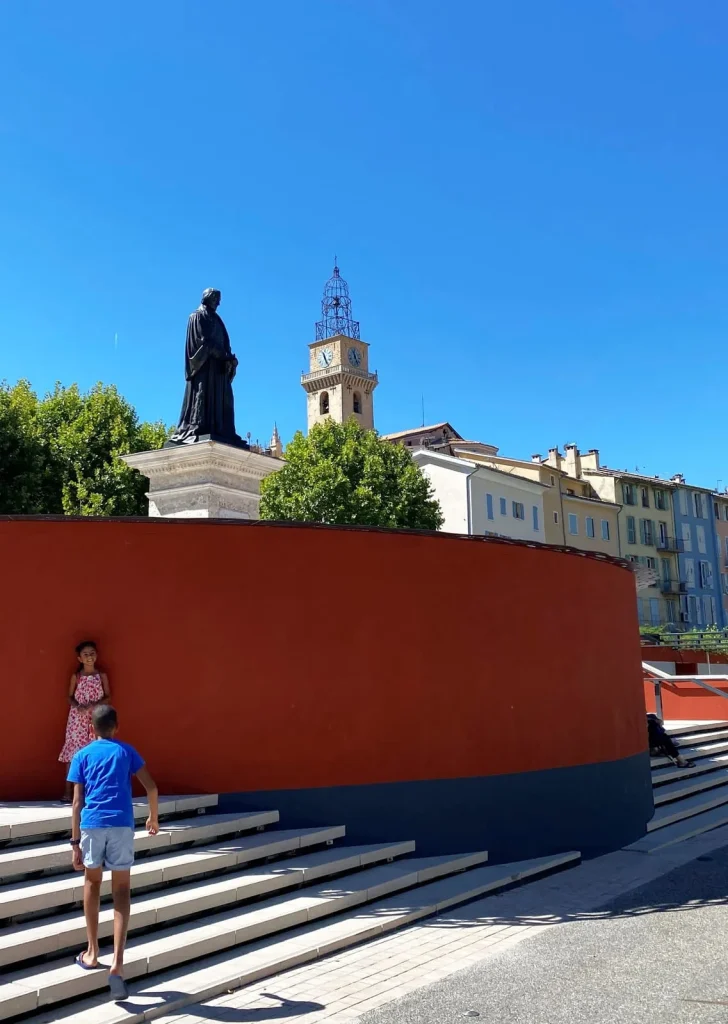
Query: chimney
{"x": 536, "y": 459}
{"x": 554, "y": 458}
{"x": 590, "y": 460}
{"x": 572, "y": 462}
{"x": 677, "y": 479}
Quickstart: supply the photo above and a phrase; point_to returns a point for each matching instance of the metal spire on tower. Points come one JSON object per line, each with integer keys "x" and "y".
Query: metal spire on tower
{"x": 336, "y": 310}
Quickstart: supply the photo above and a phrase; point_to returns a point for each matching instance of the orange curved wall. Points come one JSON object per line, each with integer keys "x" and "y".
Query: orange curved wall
{"x": 254, "y": 656}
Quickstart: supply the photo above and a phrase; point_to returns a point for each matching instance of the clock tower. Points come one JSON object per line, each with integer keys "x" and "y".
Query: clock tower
{"x": 338, "y": 384}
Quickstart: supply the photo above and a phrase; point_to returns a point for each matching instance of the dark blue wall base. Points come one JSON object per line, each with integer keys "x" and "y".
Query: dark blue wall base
{"x": 594, "y": 808}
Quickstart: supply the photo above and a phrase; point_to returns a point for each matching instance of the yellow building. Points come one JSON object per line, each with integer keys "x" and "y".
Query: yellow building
{"x": 645, "y": 523}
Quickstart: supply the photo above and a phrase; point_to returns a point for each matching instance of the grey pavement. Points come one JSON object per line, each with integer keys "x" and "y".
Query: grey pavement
{"x": 655, "y": 955}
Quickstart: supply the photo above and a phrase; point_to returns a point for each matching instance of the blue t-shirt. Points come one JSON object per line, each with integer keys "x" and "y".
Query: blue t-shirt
{"x": 104, "y": 768}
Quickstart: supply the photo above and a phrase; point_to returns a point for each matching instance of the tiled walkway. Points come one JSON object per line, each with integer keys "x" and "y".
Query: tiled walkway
{"x": 348, "y": 985}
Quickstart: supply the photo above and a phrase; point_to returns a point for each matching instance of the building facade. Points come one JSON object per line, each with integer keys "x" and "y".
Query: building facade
{"x": 482, "y": 501}
{"x": 720, "y": 513}
{"x": 646, "y": 529}
{"x": 700, "y": 562}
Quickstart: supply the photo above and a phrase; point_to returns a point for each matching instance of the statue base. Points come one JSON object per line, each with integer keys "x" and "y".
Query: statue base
{"x": 204, "y": 480}
{"x": 237, "y": 443}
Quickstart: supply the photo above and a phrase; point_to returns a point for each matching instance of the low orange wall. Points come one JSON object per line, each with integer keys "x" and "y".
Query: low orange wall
{"x": 260, "y": 656}
{"x": 686, "y": 702}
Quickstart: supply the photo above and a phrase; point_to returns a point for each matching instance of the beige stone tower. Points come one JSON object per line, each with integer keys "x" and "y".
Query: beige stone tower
{"x": 339, "y": 384}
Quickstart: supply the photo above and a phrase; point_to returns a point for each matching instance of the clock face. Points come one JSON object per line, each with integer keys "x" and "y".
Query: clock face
{"x": 355, "y": 357}
{"x": 325, "y": 356}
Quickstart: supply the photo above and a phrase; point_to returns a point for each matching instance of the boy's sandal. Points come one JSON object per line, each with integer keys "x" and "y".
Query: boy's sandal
{"x": 119, "y": 991}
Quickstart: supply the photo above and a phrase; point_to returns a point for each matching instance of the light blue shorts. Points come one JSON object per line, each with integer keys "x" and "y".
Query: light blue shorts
{"x": 110, "y": 848}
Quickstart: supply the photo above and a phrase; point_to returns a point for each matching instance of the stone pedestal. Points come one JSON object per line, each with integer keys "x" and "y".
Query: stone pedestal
{"x": 206, "y": 480}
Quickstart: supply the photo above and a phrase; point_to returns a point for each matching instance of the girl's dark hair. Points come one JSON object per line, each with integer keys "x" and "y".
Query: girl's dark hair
{"x": 85, "y": 643}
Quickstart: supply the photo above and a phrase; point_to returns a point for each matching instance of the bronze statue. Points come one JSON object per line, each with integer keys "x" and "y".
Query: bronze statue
{"x": 208, "y": 411}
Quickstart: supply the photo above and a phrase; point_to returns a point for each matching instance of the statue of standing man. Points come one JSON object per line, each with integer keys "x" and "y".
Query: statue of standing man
{"x": 208, "y": 411}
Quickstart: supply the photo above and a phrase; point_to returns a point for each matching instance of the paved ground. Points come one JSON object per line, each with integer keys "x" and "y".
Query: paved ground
{"x": 628, "y": 938}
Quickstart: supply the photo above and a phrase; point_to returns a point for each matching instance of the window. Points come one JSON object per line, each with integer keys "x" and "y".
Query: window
{"x": 699, "y": 504}
{"x": 647, "y": 534}
{"x": 324, "y": 403}
{"x": 725, "y": 513}
{"x": 553, "y": 481}
{"x": 589, "y": 526}
{"x": 518, "y": 510}
{"x": 631, "y": 530}
{"x": 687, "y": 536}
{"x": 706, "y": 575}
{"x": 605, "y": 529}
{"x": 503, "y": 507}
{"x": 489, "y": 506}
{"x": 716, "y": 510}
{"x": 726, "y": 549}
{"x": 556, "y": 520}
{"x": 651, "y": 563}
{"x": 684, "y": 503}
{"x": 641, "y": 606}
{"x": 694, "y": 611}
{"x": 629, "y": 496}
{"x": 654, "y": 611}
{"x": 573, "y": 524}
{"x": 671, "y": 617}
{"x": 708, "y": 610}
{"x": 660, "y": 500}
{"x": 665, "y": 562}
{"x": 357, "y": 402}
{"x": 535, "y": 517}
{"x": 645, "y": 495}
{"x": 690, "y": 573}
{"x": 725, "y": 582}
{"x": 700, "y": 532}
{"x": 662, "y": 539}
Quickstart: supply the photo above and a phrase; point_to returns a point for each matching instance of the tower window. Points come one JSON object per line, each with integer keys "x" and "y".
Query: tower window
{"x": 324, "y": 403}
{"x": 357, "y": 402}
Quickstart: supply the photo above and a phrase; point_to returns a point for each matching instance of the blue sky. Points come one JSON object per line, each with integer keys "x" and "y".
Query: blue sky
{"x": 527, "y": 200}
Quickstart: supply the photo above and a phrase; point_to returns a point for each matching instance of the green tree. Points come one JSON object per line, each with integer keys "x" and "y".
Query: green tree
{"x": 343, "y": 474}
{"x": 71, "y": 444}
{"x": 21, "y": 451}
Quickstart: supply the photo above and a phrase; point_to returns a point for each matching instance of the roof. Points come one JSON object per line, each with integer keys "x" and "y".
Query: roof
{"x": 423, "y": 430}
{"x": 428, "y": 453}
{"x": 605, "y": 471}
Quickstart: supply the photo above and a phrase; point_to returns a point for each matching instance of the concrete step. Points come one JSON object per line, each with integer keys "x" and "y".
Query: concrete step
{"x": 672, "y": 791}
{"x": 67, "y": 932}
{"x": 59, "y": 980}
{"x": 681, "y": 830}
{"x": 695, "y": 753}
{"x": 183, "y": 986}
{"x": 700, "y": 730}
{"x": 18, "y": 861}
{"x": 60, "y": 892}
{"x": 668, "y": 814}
{"x": 31, "y": 820}
{"x": 661, "y": 776}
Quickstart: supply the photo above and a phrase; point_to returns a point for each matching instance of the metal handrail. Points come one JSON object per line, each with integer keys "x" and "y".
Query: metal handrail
{"x": 658, "y": 677}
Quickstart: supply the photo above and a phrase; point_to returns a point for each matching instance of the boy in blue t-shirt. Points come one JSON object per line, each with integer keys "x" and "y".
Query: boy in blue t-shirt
{"x": 102, "y": 832}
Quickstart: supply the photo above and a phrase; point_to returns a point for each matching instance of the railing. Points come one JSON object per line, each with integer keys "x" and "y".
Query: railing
{"x": 669, "y": 544}
{"x": 715, "y": 640}
{"x": 354, "y": 371}
{"x": 657, "y": 677}
{"x": 670, "y": 586}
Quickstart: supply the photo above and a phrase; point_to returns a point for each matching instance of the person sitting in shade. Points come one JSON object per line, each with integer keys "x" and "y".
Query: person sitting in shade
{"x": 663, "y": 745}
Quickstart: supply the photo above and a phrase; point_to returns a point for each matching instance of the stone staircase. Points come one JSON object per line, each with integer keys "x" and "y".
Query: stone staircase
{"x": 689, "y": 801}
{"x": 219, "y": 901}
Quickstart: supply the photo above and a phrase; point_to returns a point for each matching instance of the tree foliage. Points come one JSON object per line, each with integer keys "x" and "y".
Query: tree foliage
{"x": 61, "y": 454}
{"x": 343, "y": 474}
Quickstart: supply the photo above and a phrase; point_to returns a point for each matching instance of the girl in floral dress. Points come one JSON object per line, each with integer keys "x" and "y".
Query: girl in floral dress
{"x": 88, "y": 687}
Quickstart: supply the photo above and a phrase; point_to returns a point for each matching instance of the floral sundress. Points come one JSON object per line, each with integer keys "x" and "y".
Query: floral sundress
{"x": 79, "y": 730}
